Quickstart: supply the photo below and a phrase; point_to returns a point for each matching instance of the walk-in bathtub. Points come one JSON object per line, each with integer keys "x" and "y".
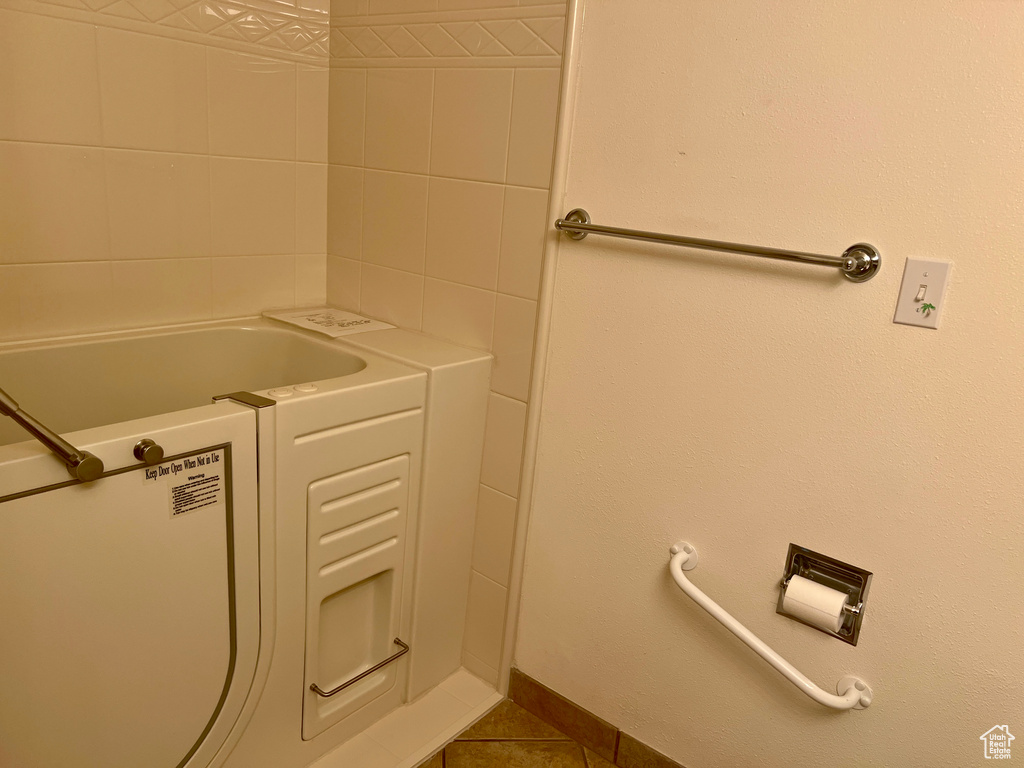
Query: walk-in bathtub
{"x": 196, "y": 611}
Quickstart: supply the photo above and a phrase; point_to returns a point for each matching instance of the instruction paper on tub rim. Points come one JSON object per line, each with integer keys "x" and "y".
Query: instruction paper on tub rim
{"x": 193, "y": 482}
{"x": 328, "y": 321}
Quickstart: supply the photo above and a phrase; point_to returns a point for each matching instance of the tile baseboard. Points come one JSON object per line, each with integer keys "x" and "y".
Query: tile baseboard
{"x": 601, "y": 737}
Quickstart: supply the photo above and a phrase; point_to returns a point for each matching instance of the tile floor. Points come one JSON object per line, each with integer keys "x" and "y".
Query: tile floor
{"x": 510, "y": 737}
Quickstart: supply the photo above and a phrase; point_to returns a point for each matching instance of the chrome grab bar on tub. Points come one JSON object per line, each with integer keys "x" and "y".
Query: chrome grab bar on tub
{"x": 854, "y": 693}
{"x": 858, "y": 263}
{"x": 320, "y": 692}
{"x": 81, "y": 465}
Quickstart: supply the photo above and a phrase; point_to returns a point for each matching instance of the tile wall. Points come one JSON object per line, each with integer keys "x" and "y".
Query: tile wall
{"x": 442, "y": 123}
{"x": 160, "y": 161}
{"x": 169, "y": 161}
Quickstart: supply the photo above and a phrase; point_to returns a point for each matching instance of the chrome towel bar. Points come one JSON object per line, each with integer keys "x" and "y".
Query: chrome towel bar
{"x": 858, "y": 263}
{"x": 854, "y": 693}
{"x": 320, "y": 692}
{"x": 81, "y": 465}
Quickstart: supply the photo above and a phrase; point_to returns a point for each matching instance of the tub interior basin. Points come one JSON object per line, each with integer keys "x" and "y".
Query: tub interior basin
{"x": 84, "y": 385}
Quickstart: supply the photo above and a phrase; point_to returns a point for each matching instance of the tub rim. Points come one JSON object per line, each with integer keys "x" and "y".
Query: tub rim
{"x": 376, "y": 367}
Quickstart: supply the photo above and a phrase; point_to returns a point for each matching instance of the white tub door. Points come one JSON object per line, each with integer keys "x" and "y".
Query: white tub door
{"x": 129, "y": 607}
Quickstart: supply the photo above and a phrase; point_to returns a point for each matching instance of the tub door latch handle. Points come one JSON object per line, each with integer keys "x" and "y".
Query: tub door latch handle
{"x": 398, "y": 654}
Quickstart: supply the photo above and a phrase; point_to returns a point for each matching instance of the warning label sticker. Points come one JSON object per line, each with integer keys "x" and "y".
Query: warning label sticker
{"x": 202, "y": 490}
{"x": 193, "y": 482}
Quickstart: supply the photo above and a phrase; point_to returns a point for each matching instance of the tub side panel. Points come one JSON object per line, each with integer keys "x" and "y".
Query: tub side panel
{"x": 323, "y": 435}
{"x": 453, "y": 449}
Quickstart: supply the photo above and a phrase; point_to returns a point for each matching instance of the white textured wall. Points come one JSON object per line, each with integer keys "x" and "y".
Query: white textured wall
{"x": 744, "y": 405}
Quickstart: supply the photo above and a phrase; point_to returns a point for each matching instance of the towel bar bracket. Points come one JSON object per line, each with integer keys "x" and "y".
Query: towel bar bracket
{"x": 575, "y": 216}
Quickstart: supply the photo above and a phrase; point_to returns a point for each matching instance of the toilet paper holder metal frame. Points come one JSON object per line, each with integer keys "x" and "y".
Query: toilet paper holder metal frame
{"x": 834, "y": 574}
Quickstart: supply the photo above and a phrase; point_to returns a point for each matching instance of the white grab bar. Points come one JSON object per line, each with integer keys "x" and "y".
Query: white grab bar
{"x": 854, "y": 693}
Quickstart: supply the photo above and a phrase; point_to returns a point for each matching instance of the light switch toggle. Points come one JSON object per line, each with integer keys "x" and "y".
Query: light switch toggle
{"x": 921, "y": 294}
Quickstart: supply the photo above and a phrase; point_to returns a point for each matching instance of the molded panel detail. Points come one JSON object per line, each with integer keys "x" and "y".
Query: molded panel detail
{"x": 356, "y": 532}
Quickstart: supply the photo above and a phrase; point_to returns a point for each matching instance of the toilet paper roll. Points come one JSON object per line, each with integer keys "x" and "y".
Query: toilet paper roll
{"x": 814, "y": 603}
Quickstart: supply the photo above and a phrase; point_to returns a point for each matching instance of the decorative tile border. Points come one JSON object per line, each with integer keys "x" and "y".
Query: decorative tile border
{"x": 302, "y": 30}
{"x": 298, "y": 28}
{"x": 490, "y": 38}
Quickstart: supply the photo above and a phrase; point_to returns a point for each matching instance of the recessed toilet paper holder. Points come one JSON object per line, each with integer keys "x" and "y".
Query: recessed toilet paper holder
{"x": 834, "y": 574}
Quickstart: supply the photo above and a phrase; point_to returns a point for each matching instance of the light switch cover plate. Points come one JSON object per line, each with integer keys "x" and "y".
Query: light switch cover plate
{"x": 922, "y": 293}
